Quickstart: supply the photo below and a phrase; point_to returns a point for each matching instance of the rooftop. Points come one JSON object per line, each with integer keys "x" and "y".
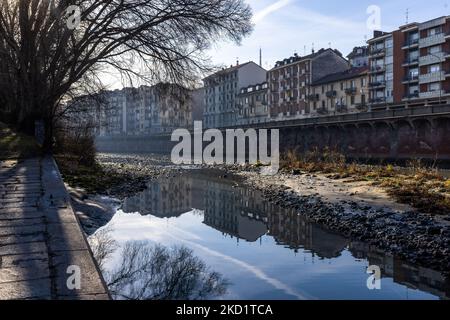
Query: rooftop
{"x": 345, "y": 75}
{"x": 225, "y": 71}
{"x": 296, "y": 57}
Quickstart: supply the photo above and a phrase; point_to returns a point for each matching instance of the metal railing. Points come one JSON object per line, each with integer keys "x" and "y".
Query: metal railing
{"x": 361, "y": 116}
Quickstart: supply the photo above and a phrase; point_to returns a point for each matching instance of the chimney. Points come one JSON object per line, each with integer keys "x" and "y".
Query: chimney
{"x": 377, "y": 33}
{"x": 237, "y": 61}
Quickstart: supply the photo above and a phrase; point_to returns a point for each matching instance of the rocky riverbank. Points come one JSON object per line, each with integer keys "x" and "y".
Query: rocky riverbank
{"x": 360, "y": 211}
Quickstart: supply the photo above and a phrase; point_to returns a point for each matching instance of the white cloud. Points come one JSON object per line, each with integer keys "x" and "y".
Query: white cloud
{"x": 260, "y": 15}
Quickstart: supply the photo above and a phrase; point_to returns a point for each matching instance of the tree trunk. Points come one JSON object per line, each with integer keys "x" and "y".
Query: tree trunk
{"x": 48, "y": 136}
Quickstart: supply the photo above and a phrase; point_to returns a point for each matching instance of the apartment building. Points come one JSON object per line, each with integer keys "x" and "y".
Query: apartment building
{"x": 383, "y": 59}
{"x": 410, "y": 65}
{"x": 359, "y": 57}
{"x": 222, "y": 89}
{"x": 290, "y": 82}
{"x": 342, "y": 92}
{"x": 156, "y": 109}
{"x": 253, "y": 104}
{"x": 426, "y": 65}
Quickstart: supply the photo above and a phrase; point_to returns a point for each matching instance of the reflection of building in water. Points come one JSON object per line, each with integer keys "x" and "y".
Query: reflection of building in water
{"x": 228, "y": 211}
{"x": 164, "y": 199}
{"x": 293, "y": 231}
{"x": 413, "y": 277}
{"x": 243, "y": 213}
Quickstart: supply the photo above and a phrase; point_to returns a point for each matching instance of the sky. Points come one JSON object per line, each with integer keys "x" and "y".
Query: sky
{"x": 285, "y": 27}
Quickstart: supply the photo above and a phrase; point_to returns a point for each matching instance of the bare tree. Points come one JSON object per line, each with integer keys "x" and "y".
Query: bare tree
{"x": 46, "y": 56}
{"x": 147, "y": 272}
{"x": 103, "y": 246}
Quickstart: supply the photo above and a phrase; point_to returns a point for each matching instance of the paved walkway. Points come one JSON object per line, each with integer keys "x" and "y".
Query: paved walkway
{"x": 40, "y": 238}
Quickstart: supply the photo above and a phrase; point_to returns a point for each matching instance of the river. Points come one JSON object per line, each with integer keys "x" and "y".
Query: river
{"x": 264, "y": 251}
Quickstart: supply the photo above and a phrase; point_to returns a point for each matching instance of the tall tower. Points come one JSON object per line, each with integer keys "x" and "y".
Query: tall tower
{"x": 260, "y": 57}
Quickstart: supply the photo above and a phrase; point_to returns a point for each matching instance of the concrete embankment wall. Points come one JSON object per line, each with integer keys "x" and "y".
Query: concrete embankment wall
{"x": 393, "y": 139}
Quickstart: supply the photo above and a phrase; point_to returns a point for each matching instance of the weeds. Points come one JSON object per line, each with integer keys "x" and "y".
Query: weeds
{"x": 417, "y": 185}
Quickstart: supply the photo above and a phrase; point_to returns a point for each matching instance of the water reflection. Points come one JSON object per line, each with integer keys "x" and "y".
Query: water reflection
{"x": 243, "y": 214}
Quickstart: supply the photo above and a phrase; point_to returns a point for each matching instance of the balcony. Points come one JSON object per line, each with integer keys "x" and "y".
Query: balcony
{"x": 380, "y": 100}
{"x": 350, "y": 91}
{"x": 331, "y": 94}
{"x": 377, "y": 69}
{"x": 411, "y": 61}
{"x": 410, "y": 96}
{"x": 411, "y": 78}
{"x": 411, "y": 43}
{"x": 313, "y": 97}
{"x": 432, "y": 40}
{"x": 432, "y": 23}
{"x": 432, "y": 94}
{"x": 377, "y": 52}
{"x": 432, "y": 58}
{"x": 377, "y": 84}
{"x": 432, "y": 77}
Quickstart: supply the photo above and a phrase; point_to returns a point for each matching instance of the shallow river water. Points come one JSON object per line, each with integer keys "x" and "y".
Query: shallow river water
{"x": 265, "y": 252}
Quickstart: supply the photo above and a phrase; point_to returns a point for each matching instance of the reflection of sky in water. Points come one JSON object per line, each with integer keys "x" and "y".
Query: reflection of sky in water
{"x": 260, "y": 269}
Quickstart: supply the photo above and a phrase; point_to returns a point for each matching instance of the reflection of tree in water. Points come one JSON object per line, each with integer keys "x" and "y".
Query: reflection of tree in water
{"x": 155, "y": 272}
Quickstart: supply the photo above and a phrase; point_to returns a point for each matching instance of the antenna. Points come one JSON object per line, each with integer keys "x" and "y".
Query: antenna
{"x": 312, "y": 47}
{"x": 407, "y": 15}
{"x": 329, "y": 45}
{"x": 304, "y": 51}
{"x": 260, "y": 57}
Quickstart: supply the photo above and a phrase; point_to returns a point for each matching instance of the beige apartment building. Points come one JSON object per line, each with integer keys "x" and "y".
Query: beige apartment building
{"x": 253, "y": 104}
{"x": 291, "y": 79}
{"x": 342, "y": 92}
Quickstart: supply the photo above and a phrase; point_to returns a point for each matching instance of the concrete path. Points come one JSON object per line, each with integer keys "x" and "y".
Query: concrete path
{"x": 43, "y": 252}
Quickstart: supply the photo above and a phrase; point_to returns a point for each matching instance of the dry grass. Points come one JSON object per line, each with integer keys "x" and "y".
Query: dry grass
{"x": 417, "y": 185}
{"x": 93, "y": 178}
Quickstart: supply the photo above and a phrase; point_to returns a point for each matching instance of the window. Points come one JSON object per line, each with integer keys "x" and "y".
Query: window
{"x": 352, "y": 100}
{"x": 413, "y": 89}
{"x": 436, "y": 86}
{"x": 389, "y": 43}
{"x": 434, "y": 49}
{"x": 434, "y": 31}
{"x": 434, "y": 68}
{"x": 389, "y": 76}
{"x": 414, "y": 73}
{"x": 390, "y": 60}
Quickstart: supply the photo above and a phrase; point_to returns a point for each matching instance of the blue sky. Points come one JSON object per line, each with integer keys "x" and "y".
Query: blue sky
{"x": 283, "y": 27}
